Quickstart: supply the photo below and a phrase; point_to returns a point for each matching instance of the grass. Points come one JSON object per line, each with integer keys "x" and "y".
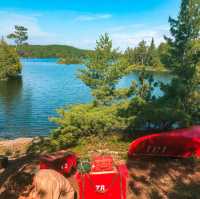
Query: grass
{"x": 113, "y": 145}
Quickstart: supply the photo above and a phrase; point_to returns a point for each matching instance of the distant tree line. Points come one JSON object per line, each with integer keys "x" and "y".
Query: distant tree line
{"x": 67, "y": 54}
{"x": 52, "y": 51}
{"x": 145, "y": 55}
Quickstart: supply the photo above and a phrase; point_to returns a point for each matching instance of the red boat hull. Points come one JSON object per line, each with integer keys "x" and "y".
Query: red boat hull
{"x": 182, "y": 143}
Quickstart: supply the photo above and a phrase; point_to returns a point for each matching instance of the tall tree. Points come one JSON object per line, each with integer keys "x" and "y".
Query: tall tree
{"x": 164, "y": 54}
{"x": 130, "y": 56}
{"x": 20, "y": 35}
{"x": 183, "y": 92}
{"x": 152, "y": 55}
{"x": 103, "y": 71}
{"x": 141, "y": 53}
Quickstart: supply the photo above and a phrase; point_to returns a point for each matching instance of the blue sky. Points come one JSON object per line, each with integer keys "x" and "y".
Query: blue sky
{"x": 80, "y": 22}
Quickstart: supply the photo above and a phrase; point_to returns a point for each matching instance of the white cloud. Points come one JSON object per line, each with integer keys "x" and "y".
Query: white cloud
{"x": 131, "y": 35}
{"x": 123, "y": 35}
{"x": 93, "y": 17}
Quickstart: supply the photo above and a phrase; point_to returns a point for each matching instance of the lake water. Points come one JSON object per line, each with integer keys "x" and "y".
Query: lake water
{"x": 27, "y": 102}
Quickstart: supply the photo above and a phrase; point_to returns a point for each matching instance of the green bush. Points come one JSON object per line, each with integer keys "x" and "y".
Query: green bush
{"x": 80, "y": 121}
{"x": 9, "y": 61}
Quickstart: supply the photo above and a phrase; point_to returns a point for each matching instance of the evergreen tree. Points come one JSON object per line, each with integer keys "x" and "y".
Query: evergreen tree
{"x": 20, "y": 35}
{"x": 103, "y": 71}
{"x": 152, "y": 55}
{"x": 130, "y": 56}
{"x": 9, "y": 61}
{"x": 183, "y": 93}
{"x": 164, "y": 54}
{"x": 141, "y": 53}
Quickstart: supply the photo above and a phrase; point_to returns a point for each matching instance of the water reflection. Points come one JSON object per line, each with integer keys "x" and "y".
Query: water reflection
{"x": 10, "y": 91}
{"x": 15, "y": 108}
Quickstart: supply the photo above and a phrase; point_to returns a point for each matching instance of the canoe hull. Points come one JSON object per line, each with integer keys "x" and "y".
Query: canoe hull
{"x": 182, "y": 143}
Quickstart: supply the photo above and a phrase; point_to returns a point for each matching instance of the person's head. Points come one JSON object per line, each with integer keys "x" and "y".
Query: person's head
{"x": 50, "y": 184}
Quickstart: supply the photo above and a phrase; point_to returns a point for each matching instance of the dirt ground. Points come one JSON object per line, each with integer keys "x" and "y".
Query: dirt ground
{"x": 148, "y": 178}
{"x": 164, "y": 179}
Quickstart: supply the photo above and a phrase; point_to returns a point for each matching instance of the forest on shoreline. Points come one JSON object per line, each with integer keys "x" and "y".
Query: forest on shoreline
{"x": 143, "y": 56}
{"x": 62, "y": 52}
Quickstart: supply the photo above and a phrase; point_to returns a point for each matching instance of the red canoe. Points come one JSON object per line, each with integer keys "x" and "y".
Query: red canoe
{"x": 183, "y": 143}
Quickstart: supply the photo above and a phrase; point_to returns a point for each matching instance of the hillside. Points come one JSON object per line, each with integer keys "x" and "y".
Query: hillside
{"x": 47, "y": 51}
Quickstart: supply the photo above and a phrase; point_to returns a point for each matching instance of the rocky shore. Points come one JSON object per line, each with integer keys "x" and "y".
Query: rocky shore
{"x": 15, "y": 147}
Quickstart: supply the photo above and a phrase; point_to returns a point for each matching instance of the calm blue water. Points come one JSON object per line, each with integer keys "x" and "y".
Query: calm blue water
{"x": 27, "y": 102}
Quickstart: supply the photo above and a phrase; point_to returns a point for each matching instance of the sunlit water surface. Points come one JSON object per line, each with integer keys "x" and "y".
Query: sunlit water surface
{"x": 27, "y": 102}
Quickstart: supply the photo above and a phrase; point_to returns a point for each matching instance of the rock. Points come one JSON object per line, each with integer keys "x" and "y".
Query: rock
{"x": 14, "y": 147}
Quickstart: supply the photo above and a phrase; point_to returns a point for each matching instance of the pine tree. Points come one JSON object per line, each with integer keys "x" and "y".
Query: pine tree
{"x": 183, "y": 92}
{"x": 130, "y": 56}
{"x": 141, "y": 53}
{"x": 164, "y": 54}
{"x": 103, "y": 71}
{"x": 20, "y": 35}
{"x": 152, "y": 55}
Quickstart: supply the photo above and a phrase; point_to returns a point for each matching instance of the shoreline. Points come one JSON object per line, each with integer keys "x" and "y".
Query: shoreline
{"x": 14, "y": 147}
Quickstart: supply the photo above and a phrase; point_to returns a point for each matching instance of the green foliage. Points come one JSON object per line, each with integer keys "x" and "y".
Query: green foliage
{"x": 164, "y": 54}
{"x": 153, "y": 58}
{"x": 9, "y": 61}
{"x": 183, "y": 92}
{"x": 138, "y": 55}
{"x": 80, "y": 121}
{"x": 68, "y": 54}
{"x": 144, "y": 56}
{"x": 70, "y": 60}
{"x": 180, "y": 105}
{"x": 104, "y": 68}
{"x": 141, "y": 53}
{"x": 141, "y": 109}
{"x": 20, "y": 35}
{"x": 136, "y": 108}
